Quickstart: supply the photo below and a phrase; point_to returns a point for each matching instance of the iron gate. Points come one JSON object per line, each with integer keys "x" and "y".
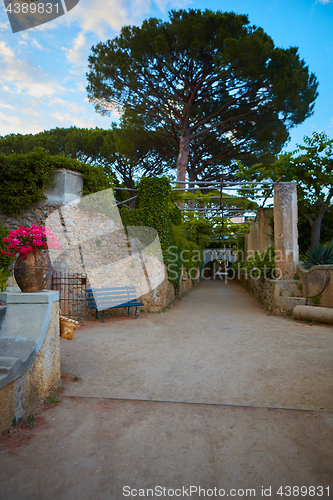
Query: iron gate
{"x": 72, "y": 289}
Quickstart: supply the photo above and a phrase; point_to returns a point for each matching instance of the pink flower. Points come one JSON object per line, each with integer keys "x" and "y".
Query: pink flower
{"x": 4, "y": 251}
{"x": 11, "y": 254}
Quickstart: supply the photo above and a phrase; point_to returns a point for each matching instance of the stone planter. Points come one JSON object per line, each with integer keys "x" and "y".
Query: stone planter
{"x": 32, "y": 271}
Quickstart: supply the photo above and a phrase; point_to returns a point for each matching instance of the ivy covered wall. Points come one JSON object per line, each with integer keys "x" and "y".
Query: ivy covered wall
{"x": 182, "y": 241}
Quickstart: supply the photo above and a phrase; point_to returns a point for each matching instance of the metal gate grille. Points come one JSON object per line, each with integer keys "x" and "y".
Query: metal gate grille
{"x": 72, "y": 289}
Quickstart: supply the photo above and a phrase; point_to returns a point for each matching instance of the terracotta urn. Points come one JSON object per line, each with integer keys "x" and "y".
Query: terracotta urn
{"x": 32, "y": 271}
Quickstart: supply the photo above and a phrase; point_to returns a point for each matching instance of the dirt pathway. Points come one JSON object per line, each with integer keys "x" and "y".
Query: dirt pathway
{"x": 242, "y": 401}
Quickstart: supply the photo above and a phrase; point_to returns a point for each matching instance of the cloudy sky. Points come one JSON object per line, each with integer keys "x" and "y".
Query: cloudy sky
{"x": 43, "y": 82}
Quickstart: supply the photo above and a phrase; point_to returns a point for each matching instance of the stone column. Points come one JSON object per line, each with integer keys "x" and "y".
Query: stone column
{"x": 246, "y": 245}
{"x": 264, "y": 229}
{"x": 285, "y": 229}
{"x": 255, "y": 237}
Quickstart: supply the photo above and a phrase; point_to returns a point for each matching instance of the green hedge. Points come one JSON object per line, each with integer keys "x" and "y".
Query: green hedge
{"x": 5, "y": 260}
{"x": 25, "y": 176}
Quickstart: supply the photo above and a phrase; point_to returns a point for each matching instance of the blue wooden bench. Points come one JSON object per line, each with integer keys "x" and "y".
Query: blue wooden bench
{"x": 110, "y": 298}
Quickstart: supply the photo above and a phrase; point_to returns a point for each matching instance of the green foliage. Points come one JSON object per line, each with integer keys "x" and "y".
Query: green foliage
{"x": 24, "y": 176}
{"x": 261, "y": 265}
{"x": 181, "y": 241}
{"x": 125, "y": 150}
{"x": 304, "y": 227}
{"x": 315, "y": 301}
{"x": 5, "y": 260}
{"x": 4, "y": 275}
{"x": 94, "y": 178}
{"x": 153, "y": 209}
{"x": 311, "y": 165}
{"x": 52, "y": 399}
{"x": 30, "y": 421}
{"x": 321, "y": 255}
{"x": 209, "y": 75}
{"x": 76, "y": 377}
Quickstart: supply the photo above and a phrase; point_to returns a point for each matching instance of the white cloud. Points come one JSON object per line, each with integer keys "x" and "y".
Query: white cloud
{"x": 5, "y": 26}
{"x": 7, "y": 106}
{"x": 101, "y": 16}
{"x": 19, "y": 125}
{"x": 324, "y": 2}
{"x": 57, "y": 100}
{"x": 31, "y": 111}
{"x": 36, "y": 44}
{"x": 68, "y": 119}
{"x": 25, "y": 76}
{"x": 78, "y": 54}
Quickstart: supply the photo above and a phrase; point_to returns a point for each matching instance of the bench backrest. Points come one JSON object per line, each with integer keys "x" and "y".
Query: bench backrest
{"x": 103, "y": 298}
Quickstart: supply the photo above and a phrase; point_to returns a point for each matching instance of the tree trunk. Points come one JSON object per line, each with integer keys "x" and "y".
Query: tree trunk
{"x": 192, "y": 177}
{"x": 315, "y": 229}
{"x": 182, "y": 161}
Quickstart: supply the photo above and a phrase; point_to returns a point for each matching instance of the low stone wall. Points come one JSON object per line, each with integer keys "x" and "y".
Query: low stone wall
{"x": 30, "y": 356}
{"x": 277, "y": 296}
{"x": 313, "y": 282}
{"x": 159, "y": 298}
{"x": 262, "y": 289}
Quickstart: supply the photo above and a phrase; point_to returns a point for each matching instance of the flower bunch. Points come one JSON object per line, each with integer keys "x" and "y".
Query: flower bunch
{"x": 29, "y": 239}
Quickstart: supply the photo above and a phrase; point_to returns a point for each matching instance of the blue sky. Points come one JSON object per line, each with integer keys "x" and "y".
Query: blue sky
{"x": 42, "y": 77}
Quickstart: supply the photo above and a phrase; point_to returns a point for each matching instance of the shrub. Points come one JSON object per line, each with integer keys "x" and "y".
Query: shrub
{"x": 5, "y": 260}
{"x": 321, "y": 255}
{"x": 25, "y": 176}
{"x": 261, "y": 265}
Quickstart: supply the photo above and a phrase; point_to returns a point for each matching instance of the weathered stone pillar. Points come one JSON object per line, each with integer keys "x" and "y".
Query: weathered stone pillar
{"x": 246, "y": 245}
{"x": 249, "y": 250}
{"x": 252, "y": 241}
{"x": 264, "y": 229}
{"x": 255, "y": 237}
{"x": 285, "y": 229}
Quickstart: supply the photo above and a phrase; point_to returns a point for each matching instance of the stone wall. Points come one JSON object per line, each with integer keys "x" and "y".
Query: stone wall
{"x": 279, "y": 297}
{"x": 22, "y": 396}
{"x": 313, "y": 282}
{"x": 261, "y": 289}
{"x": 36, "y": 214}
